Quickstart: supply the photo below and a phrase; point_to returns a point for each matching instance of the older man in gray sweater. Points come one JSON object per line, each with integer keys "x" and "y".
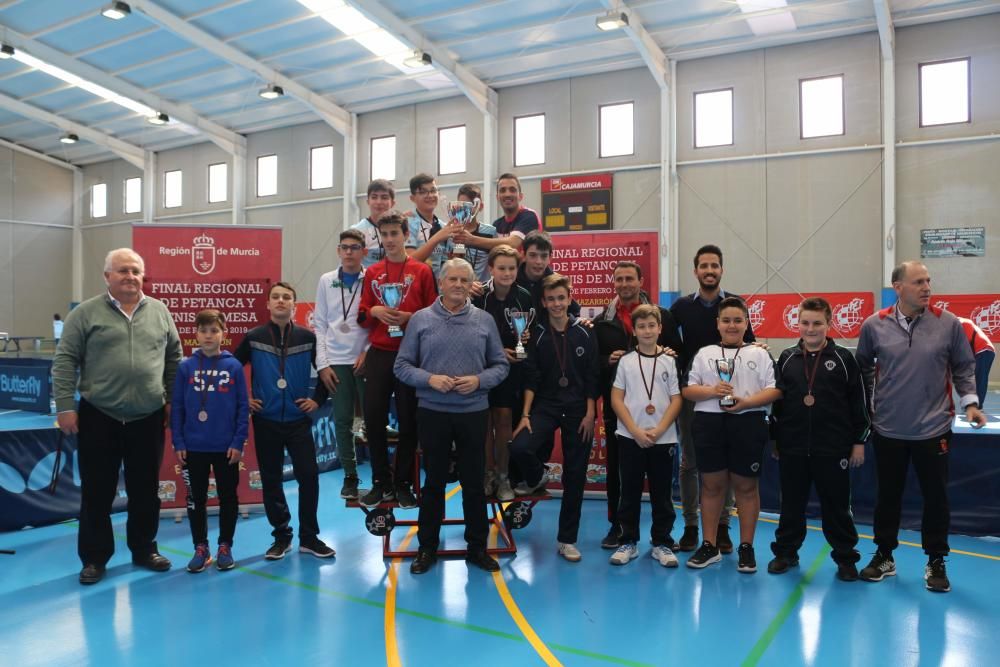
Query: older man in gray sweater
{"x": 453, "y": 356}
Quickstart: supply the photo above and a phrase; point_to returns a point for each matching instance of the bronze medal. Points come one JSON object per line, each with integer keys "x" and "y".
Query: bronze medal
{"x": 564, "y": 381}
{"x": 650, "y": 409}
{"x": 809, "y": 400}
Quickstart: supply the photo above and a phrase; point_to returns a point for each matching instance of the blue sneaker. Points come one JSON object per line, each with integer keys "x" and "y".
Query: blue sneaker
{"x": 202, "y": 558}
{"x": 224, "y": 558}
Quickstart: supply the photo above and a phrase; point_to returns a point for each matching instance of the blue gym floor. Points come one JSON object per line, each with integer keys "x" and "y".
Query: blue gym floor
{"x": 357, "y": 609}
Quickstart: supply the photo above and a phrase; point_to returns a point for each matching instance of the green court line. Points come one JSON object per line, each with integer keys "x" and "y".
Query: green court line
{"x": 414, "y": 613}
{"x": 757, "y": 652}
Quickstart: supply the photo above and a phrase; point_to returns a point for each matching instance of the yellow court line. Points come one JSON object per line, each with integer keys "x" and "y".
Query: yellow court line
{"x": 515, "y": 613}
{"x": 389, "y": 617}
{"x": 909, "y": 544}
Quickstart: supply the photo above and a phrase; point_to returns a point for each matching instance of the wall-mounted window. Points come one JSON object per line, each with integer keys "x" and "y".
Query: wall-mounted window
{"x": 616, "y": 129}
{"x": 529, "y": 140}
{"x": 133, "y": 195}
{"x": 451, "y": 150}
{"x": 320, "y": 167}
{"x": 383, "y": 158}
{"x": 821, "y": 106}
{"x": 267, "y": 175}
{"x": 945, "y": 92}
{"x": 218, "y": 182}
{"x": 713, "y": 118}
{"x": 172, "y": 187}
{"x": 99, "y": 200}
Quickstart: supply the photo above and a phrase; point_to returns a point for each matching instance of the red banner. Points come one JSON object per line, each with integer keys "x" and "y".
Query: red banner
{"x": 191, "y": 268}
{"x": 982, "y": 309}
{"x": 589, "y": 260}
{"x": 777, "y": 315}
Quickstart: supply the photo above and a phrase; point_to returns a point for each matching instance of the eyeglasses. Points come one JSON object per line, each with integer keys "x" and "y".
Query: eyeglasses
{"x": 350, "y": 247}
{"x": 426, "y": 192}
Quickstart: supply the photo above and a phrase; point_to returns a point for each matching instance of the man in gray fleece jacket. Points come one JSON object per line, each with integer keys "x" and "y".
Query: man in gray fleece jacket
{"x": 453, "y": 356}
{"x": 910, "y": 354}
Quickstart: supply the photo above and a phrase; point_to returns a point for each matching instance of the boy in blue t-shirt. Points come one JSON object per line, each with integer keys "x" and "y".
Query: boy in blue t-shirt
{"x": 209, "y": 424}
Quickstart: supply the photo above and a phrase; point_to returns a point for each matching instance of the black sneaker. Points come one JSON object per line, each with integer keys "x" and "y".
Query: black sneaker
{"x": 935, "y": 576}
{"x": 350, "y": 489}
{"x": 316, "y": 547}
{"x": 377, "y": 495}
{"x": 780, "y": 564}
{"x": 748, "y": 560}
{"x": 483, "y": 561}
{"x": 91, "y": 574}
{"x": 704, "y": 556}
{"x": 880, "y": 567}
{"x": 689, "y": 540}
{"x": 405, "y": 497}
{"x": 722, "y": 539}
{"x": 277, "y": 550}
{"x": 847, "y": 572}
{"x": 613, "y": 539}
{"x": 424, "y": 561}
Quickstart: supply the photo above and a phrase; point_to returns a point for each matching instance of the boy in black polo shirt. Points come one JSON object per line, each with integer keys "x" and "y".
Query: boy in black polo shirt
{"x": 822, "y": 424}
{"x": 561, "y": 373}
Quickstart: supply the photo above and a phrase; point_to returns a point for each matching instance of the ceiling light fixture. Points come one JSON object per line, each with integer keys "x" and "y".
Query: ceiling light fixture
{"x": 418, "y": 59}
{"x": 271, "y": 92}
{"x": 158, "y": 119}
{"x": 69, "y": 138}
{"x": 116, "y": 10}
{"x": 612, "y": 21}
{"x": 6, "y": 51}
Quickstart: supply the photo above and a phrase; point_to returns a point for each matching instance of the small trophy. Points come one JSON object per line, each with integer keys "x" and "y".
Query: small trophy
{"x": 463, "y": 212}
{"x": 391, "y": 295}
{"x": 726, "y": 368}
{"x": 519, "y": 321}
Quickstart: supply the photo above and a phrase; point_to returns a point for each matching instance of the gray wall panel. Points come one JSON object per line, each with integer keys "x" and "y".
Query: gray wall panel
{"x": 41, "y": 278}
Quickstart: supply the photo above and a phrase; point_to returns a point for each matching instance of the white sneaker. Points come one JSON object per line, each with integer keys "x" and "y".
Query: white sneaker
{"x": 504, "y": 491}
{"x": 664, "y": 555}
{"x": 489, "y": 483}
{"x": 624, "y": 554}
{"x": 569, "y": 552}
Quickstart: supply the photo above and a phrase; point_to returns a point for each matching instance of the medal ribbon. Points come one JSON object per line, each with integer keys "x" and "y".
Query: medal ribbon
{"x": 810, "y": 376}
{"x": 284, "y": 348}
{"x": 652, "y": 377}
{"x": 204, "y": 383}
{"x": 354, "y": 294}
{"x": 560, "y": 357}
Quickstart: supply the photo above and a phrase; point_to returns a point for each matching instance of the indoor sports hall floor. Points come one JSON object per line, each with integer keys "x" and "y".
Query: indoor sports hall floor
{"x": 359, "y": 610}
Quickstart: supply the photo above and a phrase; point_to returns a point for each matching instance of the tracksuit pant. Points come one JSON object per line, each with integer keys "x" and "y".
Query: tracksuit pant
{"x": 380, "y": 384}
{"x": 271, "y": 439}
{"x": 227, "y": 478}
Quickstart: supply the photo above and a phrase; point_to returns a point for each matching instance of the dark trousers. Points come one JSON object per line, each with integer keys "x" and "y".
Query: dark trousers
{"x": 638, "y": 464}
{"x": 227, "y": 478}
{"x": 438, "y": 430}
{"x": 832, "y": 478}
{"x": 380, "y": 384}
{"x": 526, "y": 448}
{"x": 930, "y": 461}
{"x": 612, "y": 446}
{"x": 105, "y": 444}
{"x": 272, "y": 439}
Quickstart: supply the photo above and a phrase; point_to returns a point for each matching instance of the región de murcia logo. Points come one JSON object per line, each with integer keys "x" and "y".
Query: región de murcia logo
{"x": 203, "y": 255}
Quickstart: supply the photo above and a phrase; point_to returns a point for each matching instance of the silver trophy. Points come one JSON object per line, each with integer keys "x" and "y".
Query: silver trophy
{"x": 725, "y": 368}
{"x": 391, "y": 295}
{"x": 462, "y": 212}
{"x": 519, "y": 321}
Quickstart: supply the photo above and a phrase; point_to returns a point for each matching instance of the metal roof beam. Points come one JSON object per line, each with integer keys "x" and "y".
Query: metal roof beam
{"x": 225, "y": 138}
{"x": 129, "y": 152}
{"x": 481, "y": 95}
{"x": 650, "y": 51}
{"x": 337, "y": 117}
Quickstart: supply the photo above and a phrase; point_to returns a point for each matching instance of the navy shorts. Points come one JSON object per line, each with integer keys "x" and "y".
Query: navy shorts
{"x": 507, "y": 394}
{"x": 730, "y": 442}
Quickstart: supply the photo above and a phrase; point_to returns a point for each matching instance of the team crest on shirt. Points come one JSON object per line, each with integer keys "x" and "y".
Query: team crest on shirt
{"x": 580, "y": 351}
{"x": 830, "y": 364}
{"x": 752, "y": 365}
{"x": 843, "y": 464}
{"x": 755, "y": 467}
{"x": 672, "y": 450}
{"x": 665, "y": 376}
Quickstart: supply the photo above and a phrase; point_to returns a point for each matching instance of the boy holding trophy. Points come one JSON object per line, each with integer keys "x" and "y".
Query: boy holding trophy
{"x": 732, "y": 385}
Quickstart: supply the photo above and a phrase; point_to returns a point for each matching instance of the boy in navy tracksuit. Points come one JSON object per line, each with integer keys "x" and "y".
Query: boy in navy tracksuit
{"x": 821, "y": 427}
{"x": 282, "y": 356}
{"x": 209, "y": 424}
